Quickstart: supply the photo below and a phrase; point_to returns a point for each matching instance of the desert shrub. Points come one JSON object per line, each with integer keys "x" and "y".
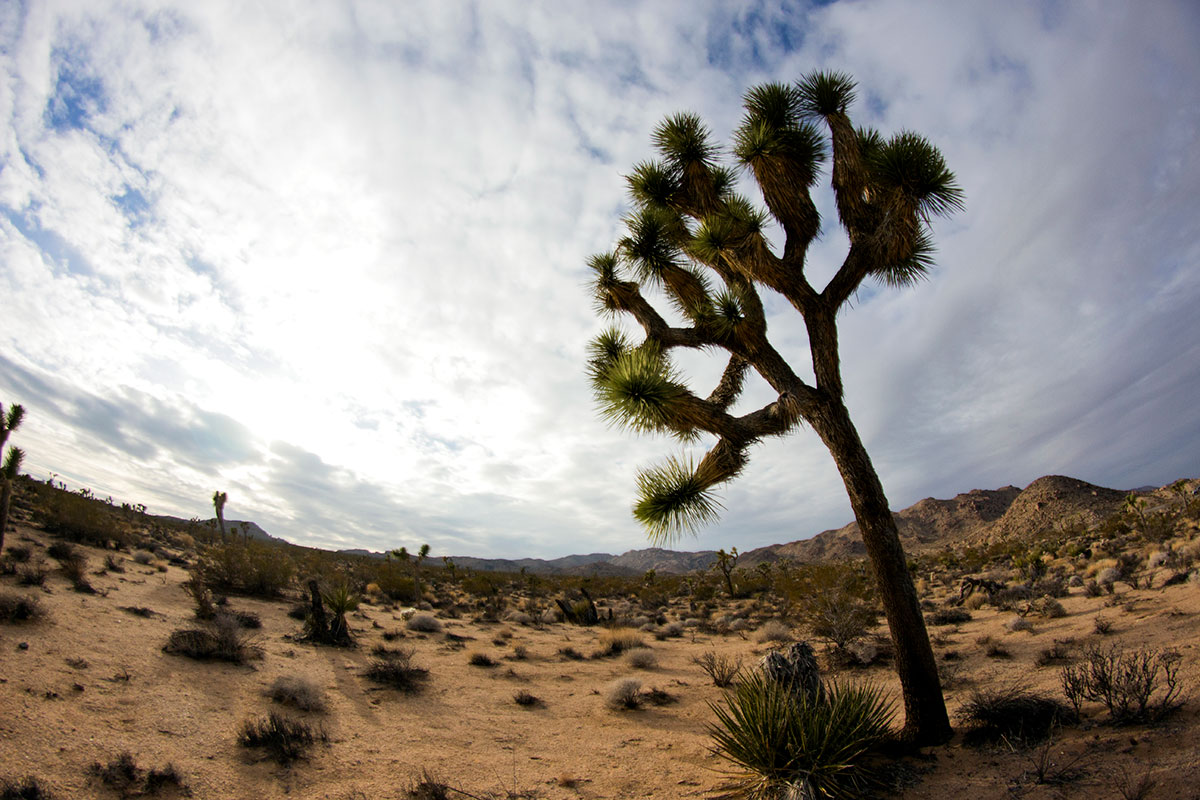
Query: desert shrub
{"x": 75, "y": 570}
{"x": 1092, "y": 589}
{"x": 723, "y": 670}
{"x": 1049, "y": 608}
{"x": 1055, "y": 654}
{"x": 624, "y": 694}
{"x": 839, "y": 617}
{"x": 19, "y": 553}
{"x": 1018, "y": 623}
{"x": 614, "y": 641}
{"x": 31, "y": 574}
{"x": 393, "y": 667}
{"x": 244, "y": 619}
{"x": 26, "y": 788}
{"x": 1012, "y": 714}
{"x": 428, "y": 787}
{"x": 481, "y": 660}
{"x": 642, "y": 659}
{"x": 816, "y": 745}
{"x": 525, "y": 698}
{"x": 774, "y": 630}
{"x": 668, "y": 631}
{"x": 137, "y": 611}
{"x": 424, "y": 623}
{"x": 284, "y": 738}
{"x": 123, "y": 775}
{"x": 301, "y": 693}
{"x": 251, "y": 568}
{"x": 949, "y": 616}
{"x": 62, "y": 551}
{"x": 79, "y": 519}
{"x": 112, "y": 563}
{"x": 222, "y": 640}
{"x": 570, "y": 653}
{"x": 1102, "y": 625}
{"x": 992, "y": 648}
{"x": 1139, "y": 686}
{"x": 143, "y": 557}
{"x": 19, "y": 608}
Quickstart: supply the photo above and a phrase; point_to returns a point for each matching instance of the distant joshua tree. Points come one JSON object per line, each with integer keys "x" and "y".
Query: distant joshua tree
{"x": 710, "y": 251}
{"x": 219, "y": 499}
{"x": 12, "y": 462}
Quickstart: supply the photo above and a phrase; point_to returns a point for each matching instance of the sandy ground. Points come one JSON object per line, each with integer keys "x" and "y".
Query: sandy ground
{"x": 91, "y": 681}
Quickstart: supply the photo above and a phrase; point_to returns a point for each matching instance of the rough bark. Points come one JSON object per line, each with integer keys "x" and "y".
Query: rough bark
{"x": 5, "y": 500}
{"x": 925, "y": 719}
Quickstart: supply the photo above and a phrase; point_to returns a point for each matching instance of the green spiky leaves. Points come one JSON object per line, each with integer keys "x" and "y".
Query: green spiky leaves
{"x": 607, "y": 286}
{"x": 12, "y": 463}
{"x": 824, "y": 94}
{"x": 637, "y": 388}
{"x": 651, "y": 244}
{"x": 914, "y": 266}
{"x": 683, "y": 140}
{"x": 774, "y": 130}
{"x": 653, "y": 185}
{"x": 909, "y": 166}
{"x": 673, "y": 499}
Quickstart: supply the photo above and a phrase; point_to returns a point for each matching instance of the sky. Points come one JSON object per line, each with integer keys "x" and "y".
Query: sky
{"x": 330, "y": 257}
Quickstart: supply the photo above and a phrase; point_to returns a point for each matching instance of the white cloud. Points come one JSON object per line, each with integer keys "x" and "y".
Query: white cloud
{"x": 358, "y": 232}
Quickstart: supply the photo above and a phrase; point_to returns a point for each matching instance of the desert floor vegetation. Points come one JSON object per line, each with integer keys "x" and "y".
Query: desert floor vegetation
{"x": 92, "y": 667}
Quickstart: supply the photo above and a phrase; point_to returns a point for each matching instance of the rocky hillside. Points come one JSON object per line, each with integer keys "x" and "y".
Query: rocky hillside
{"x": 977, "y": 516}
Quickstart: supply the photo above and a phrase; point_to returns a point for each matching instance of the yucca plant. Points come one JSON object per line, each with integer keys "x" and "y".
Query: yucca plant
{"x": 341, "y": 601}
{"x": 690, "y": 236}
{"x": 781, "y": 741}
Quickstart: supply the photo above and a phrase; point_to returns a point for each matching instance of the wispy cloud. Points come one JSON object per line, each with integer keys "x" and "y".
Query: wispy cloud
{"x": 331, "y": 259}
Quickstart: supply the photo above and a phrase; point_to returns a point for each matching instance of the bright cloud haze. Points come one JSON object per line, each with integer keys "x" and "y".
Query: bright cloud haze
{"x": 330, "y": 257}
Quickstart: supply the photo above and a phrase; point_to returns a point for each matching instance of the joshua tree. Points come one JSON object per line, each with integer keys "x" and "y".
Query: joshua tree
{"x": 12, "y": 462}
{"x": 724, "y": 564}
{"x": 219, "y": 499}
{"x": 707, "y": 249}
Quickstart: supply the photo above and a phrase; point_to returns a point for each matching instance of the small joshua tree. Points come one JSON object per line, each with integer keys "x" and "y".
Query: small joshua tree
{"x": 708, "y": 250}
{"x": 12, "y": 462}
{"x": 218, "y": 500}
{"x": 725, "y": 563}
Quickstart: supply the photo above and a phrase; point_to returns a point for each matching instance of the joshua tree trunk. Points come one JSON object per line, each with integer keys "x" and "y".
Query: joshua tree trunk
{"x": 925, "y": 718}
{"x": 6, "y": 487}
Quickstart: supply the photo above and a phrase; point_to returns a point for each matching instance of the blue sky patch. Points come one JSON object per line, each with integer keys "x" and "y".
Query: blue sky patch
{"x": 78, "y": 94}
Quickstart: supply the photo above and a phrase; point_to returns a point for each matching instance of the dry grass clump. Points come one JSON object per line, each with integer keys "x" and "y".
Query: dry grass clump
{"x": 624, "y": 694}
{"x": 1012, "y": 714}
{"x": 642, "y": 659}
{"x": 481, "y": 660}
{"x": 285, "y": 739}
{"x": 222, "y": 640}
{"x": 26, "y": 788}
{"x": 124, "y": 776}
{"x": 614, "y": 641}
{"x": 19, "y": 608}
{"x": 393, "y": 667}
{"x": 526, "y": 698}
{"x": 774, "y": 630}
{"x": 424, "y": 623}
{"x": 949, "y": 616}
{"x": 301, "y": 693}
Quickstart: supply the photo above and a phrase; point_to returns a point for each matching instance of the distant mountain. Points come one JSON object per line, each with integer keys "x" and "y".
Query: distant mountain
{"x": 979, "y": 516}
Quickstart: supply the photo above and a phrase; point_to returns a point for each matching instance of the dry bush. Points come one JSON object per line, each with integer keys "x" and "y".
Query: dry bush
{"x": 124, "y": 776}
{"x": 774, "y": 630}
{"x": 301, "y": 693}
{"x": 27, "y": 788}
{"x": 642, "y": 659}
{"x": 1139, "y": 686}
{"x": 478, "y": 659}
{"x": 285, "y": 739}
{"x": 624, "y": 694}
{"x": 526, "y": 698}
{"x": 614, "y": 641}
{"x": 424, "y": 623}
{"x": 20, "y": 608}
{"x": 1012, "y": 714}
{"x": 222, "y": 640}
{"x": 393, "y": 667}
{"x": 949, "y": 616}
{"x": 723, "y": 670}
